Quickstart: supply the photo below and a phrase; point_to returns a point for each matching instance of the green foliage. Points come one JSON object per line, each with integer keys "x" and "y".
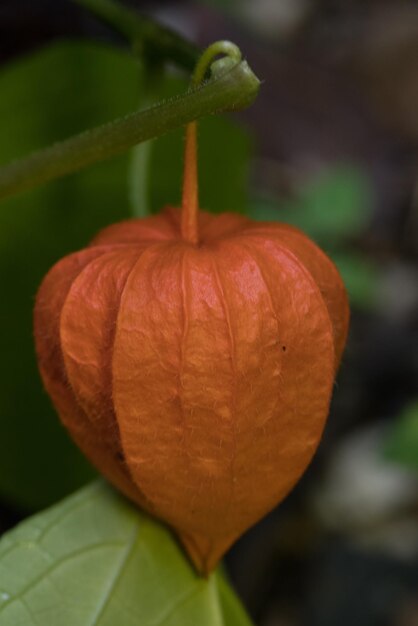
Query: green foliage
{"x": 333, "y": 209}
{"x": 46, "y": 97}
{"x": 224, "y": 151}
{"x": 334, "y": 206}
{"x": 330, "y": 208}
{"x": 360, "y": 276}
{"x": 95, "y": 560}
{"x": 402, "y": 443}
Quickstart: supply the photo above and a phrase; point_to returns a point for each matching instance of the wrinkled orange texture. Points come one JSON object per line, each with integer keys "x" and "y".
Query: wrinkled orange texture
{"x": 197, "y": 379}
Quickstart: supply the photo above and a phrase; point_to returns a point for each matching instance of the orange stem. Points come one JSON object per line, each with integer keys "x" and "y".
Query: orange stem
{"x": 190, "y": 198}
{"x": 190, "y": 202}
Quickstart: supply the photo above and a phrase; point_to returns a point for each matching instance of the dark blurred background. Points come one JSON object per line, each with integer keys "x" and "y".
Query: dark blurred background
{"x": 331, "y": 145}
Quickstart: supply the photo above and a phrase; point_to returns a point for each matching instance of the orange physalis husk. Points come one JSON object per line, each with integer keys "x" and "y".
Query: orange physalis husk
{"x": 192, "y": 358}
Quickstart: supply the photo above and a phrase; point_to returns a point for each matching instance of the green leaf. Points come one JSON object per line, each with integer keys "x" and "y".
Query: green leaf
{"x": 402, "y": 443}
{"x": 224, "y": 152}
{"x": 331, "y": 207}
{"x": 46, "y": 97}
{"x": 360, "y": 275}
{"x": 95, "y": 560}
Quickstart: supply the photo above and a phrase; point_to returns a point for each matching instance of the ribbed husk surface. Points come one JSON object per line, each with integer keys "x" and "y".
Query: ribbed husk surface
{"x": 197, "y": 379}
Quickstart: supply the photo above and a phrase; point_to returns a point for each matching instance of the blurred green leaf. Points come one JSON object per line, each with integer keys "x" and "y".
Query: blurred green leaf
{"x": 333, "y": 207}
{"x": 46, "y": 97}
{"x": 224, "y": 157}
{"x": 402, "y": 443}
{"x": 94, "y": 559}
{"x": 360, "y": 276}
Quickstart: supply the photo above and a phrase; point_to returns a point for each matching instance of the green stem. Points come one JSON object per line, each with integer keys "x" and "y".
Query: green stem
{"x": 138, "y": 173}
{"x": 155, "y": 41}
{"x": 230, "y": 88}
{"x": 138, "y": 179}
{"x": 224, "y": 47}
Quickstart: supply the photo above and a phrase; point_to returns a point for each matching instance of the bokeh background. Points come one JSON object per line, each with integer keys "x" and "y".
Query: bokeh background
{"x": 331, "y": 145}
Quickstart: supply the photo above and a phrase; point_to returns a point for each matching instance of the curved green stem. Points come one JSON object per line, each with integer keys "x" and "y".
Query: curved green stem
{"x": 230, "y": 88}
{"x": 224, "y": 47}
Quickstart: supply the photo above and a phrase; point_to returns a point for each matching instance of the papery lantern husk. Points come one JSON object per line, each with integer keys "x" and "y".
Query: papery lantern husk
{"x": 196, "y": 377}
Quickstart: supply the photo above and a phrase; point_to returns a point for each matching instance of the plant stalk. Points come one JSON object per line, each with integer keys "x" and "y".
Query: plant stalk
{"x": 190, "y": 197}
{"x": 231, "y": 89}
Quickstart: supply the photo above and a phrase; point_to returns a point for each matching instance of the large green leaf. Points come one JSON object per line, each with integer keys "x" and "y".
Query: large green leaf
{"x": 95, "y": 560}
{"x": 46, "y": 97}
{"x": 223, "y": 159}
